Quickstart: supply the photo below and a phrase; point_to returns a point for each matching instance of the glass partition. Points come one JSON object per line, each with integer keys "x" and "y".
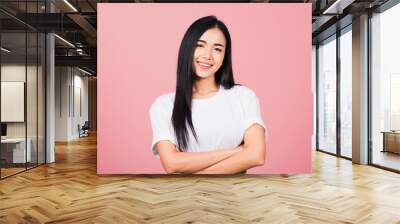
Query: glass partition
{"x": 22, "y": 77}
{"x": 13, "y": 108}
{"x": 32, "y": 95}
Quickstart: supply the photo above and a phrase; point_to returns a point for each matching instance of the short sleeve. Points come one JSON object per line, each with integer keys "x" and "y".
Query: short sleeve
{"x": 251, "y": 109}
{"x": 160, "y": 116}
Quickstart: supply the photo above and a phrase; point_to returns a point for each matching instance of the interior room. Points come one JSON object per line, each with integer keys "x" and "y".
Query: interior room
{"x": 49, "y": 72}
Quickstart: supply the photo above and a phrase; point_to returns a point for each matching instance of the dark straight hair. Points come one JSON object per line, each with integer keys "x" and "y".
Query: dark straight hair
{"x": 186, "y": 77}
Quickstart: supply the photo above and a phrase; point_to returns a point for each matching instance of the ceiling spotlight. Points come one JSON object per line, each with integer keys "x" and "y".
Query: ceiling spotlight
{"x": 64, "y": 40}
{"x": 84, "y": 71}
{"x": 5, "y": 50}
{"x": 70, "y": 5}
{"x": 337, "y": 7}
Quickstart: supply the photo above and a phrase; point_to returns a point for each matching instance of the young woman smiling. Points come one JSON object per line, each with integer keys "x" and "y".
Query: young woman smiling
{"x": 209, "y": 125}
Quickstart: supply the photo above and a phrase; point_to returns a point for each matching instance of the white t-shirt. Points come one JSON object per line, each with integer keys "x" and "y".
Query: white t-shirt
{"x": 219, "y": 121}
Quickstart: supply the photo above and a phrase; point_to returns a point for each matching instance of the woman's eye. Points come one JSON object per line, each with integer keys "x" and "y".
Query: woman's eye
{"x": 199, "y": 45}
{"x": 217, "y": 49}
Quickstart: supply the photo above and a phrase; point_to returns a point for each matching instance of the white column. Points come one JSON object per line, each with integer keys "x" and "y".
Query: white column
{"x": 50, "y": 93}
{"x": 360, "y": 90}
{"x": 313, "y": 86}
{"x": 50, "y": 110}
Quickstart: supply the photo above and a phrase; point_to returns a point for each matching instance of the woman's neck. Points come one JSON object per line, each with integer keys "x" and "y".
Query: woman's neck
{"x": 205, "y": 86}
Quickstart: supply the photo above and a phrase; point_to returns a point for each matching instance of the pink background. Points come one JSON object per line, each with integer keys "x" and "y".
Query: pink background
{"x": 137, "y": 58}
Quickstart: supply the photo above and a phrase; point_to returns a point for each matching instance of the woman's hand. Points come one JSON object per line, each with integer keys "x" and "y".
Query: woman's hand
{"x": 249, "y": 155}
{"x": 174, "y": 161}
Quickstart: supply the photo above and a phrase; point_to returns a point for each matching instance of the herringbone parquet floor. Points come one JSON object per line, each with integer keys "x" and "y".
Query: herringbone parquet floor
{"x": 70, "y": 191}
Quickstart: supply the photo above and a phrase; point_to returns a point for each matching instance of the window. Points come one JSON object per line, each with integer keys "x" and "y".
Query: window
{"x": 327, "y": 95}
{"x": 385, "y": 88}
{"x": 346, "y": 74}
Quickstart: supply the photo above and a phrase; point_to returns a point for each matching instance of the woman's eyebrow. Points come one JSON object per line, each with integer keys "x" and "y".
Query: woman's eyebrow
{"x": 216, "y": 44}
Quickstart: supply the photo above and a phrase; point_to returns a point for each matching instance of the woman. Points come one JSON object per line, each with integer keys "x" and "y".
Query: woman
{"x": 208, "y": 125}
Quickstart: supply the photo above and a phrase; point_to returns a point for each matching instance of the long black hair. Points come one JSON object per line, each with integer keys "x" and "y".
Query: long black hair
{"x": 186, "y": 77}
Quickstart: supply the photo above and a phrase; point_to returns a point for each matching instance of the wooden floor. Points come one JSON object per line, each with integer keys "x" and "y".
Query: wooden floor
{"x": 5, "y": 172}
{"x": 70, "y": 191}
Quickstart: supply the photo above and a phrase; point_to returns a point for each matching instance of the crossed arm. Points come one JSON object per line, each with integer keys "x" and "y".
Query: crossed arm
{"x": 227, "y": 161}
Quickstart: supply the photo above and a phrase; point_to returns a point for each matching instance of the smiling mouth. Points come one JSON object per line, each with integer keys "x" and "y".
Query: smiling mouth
{"x": 204, "y": 65}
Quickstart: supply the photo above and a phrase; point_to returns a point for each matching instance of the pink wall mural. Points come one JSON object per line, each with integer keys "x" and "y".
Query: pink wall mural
{"x": 137, "y": 58}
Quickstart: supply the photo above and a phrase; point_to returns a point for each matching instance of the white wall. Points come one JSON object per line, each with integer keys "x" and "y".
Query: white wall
{"x": 33, "y": 127}
{"x": 79, "y": 117}
{"x": 12, "y": 101}
{"x": 62, "y": 81}
{"x": 15, "y": 72}
{"x": 71, "y": 93}
{"x": 12, "y": 73}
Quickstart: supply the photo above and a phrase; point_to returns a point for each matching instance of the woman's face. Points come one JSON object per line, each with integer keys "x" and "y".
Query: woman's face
{"x": 209, "y": 53}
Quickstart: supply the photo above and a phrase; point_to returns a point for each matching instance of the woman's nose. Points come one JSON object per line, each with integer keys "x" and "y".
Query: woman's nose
{"x": 207, "y": 53}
